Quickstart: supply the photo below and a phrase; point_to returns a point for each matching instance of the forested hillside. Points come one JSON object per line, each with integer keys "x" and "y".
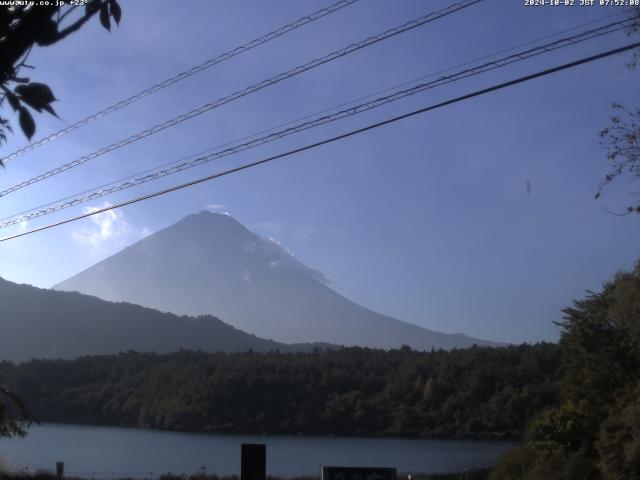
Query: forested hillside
{"x": 480, "y": 392}
{"x": 594, "y": 432}
{"x": 39, "y": 323}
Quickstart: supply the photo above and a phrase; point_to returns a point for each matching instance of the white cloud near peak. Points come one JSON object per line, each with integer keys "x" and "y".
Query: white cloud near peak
{"x": 217, "y": 208}
{"x": 109, "y": 230}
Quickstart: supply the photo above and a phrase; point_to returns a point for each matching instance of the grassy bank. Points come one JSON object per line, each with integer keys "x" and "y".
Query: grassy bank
{"x": 467, "y": 475}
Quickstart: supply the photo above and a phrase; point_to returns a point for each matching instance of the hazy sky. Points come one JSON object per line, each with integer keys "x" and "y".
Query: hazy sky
{"x": 427, "y": 220}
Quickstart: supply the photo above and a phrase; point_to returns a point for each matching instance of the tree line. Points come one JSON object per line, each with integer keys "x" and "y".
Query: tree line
{"x": 575, "y": 405}
{"x": 479, "y": 392}
{"x": 594, "y": 432}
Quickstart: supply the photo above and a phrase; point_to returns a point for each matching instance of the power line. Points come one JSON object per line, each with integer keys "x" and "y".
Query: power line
{"x": 351, "y": 133}
{"x": 159, "y": 172}
{"x": 176, "y": 166}
{"x": 290, "y": 122}
{"x": 249, "y": 90}
{"x": 186, "y": 74}
{"x": 350, "y": 102}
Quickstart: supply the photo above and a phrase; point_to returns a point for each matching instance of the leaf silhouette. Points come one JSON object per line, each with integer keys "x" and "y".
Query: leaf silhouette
{"x": 116, "y": 12}
{"x": 26, "y": 122}
{"x": 36, "y": 95}
{"x": 104, "y": 16}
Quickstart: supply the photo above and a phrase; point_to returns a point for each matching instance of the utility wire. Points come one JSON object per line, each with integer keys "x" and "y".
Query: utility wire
{"x": 158, "y": 172}
{"x": 351, "y": 133}
{"x": 249, "y": 90}
{"x": 186, "y": 74}
{"x": 291, "y": 122}
{"x": 181, "y": 165}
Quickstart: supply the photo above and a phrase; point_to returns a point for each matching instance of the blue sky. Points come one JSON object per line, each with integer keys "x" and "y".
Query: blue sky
{"x": 427, "y": 219}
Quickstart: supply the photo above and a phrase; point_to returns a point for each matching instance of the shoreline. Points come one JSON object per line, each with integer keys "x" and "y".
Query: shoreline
{"x": 482, "y": 439}
{"x": 86, "y": 449}
{"x": 476, "y": 474}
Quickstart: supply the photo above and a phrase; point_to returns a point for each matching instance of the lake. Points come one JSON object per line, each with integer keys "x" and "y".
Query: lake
{"x": 103, "y": 452}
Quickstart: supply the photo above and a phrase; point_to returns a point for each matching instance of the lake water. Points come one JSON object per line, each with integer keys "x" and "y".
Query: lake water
{"x": 103, "y": 452}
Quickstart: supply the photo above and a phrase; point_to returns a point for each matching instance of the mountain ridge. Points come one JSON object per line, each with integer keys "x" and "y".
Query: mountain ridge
{"x": 210, "y": 263}
{"x": 49, "y": 324}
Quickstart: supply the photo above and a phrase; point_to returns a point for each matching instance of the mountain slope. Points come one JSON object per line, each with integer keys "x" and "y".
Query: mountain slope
{"x": 37, "y": 323}
{"x": 211, "y": 264}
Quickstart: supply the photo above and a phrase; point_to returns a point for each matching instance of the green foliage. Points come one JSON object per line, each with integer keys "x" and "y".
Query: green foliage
{"x": 621, "y": 138}
{"x": 595, "y": 432}
{"x": 523, "y": 464}
{"x": 514, "y": 465}
{"x": 14, "y": 415}
{"x": 619, "y": 438}
{"x": 472, "y": 393}
{"x": 21, "y": 28}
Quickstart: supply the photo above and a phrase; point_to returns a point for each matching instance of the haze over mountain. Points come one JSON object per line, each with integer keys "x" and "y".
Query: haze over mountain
{"x": 209, "y": 263}
{"x": 38, "y": 323}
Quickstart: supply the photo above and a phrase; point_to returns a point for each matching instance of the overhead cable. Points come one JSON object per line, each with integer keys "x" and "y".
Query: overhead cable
{"x": 179, "y": 166}
{"x": 336, "y": 138}
{"x": 185, "y": 74}
{"x": 249, "y": 90}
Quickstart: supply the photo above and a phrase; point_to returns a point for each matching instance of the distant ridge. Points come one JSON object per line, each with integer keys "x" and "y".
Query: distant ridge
{"x": 45, "y": 324}
{"x": 209, "y": 263}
